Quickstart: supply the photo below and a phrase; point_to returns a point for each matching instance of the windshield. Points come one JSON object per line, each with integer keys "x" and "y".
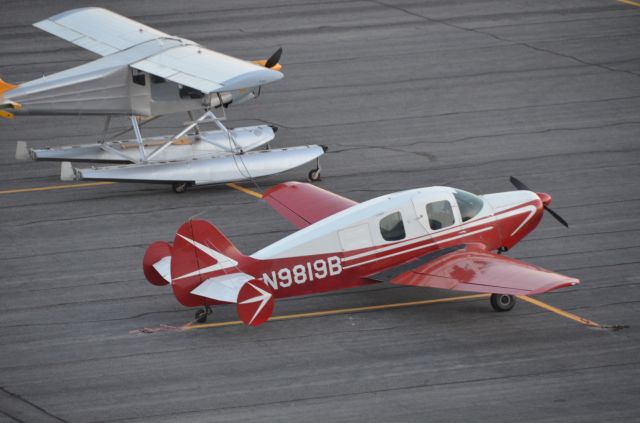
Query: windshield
{"x": 469, "y": 204}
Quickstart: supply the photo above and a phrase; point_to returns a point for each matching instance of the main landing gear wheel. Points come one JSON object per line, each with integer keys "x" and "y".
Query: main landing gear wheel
{"x": 202, "y": 314}
{"x": 501, "y": 302}
{"x": 314, "y": 175}
{"x": 180, "y": 187}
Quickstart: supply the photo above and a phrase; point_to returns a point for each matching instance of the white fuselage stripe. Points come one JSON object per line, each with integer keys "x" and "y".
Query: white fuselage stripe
{"x": 408, "y": 250}
{"x": 532, "y": 211}
{"x": 414, "y": 241}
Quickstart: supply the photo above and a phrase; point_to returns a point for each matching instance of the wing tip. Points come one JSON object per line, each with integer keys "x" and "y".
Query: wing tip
{"x": 284, "y": 185}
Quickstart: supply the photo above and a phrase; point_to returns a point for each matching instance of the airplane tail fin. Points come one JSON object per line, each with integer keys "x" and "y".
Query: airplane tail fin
{"x": 5, "y": 86}
{"x": 5, "y": 103}
{"x": 200, "y": 251}
{"x": 204, "y": 268}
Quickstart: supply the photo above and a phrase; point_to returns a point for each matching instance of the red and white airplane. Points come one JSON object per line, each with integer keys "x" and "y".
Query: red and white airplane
{"x": 436, "y": 237}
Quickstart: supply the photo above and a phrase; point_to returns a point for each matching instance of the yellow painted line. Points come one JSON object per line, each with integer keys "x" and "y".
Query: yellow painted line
{"x": 322, "y": 313}
{"x": 54, "y": 187}
{"x": 560, "y": 312}
{"x": 632, "y": 3}
{"x": 245, "y": 190}
{"x": 343, "y": 311}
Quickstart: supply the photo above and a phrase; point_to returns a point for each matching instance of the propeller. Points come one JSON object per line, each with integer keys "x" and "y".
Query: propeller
{"x": 546, "y": 199}
{"x": 274, "y": 59}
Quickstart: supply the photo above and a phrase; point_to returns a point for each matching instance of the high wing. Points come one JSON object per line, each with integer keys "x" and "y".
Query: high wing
{"x": 98, "y": 30}
{"x": 304, "y": 204}
{"x": 475, "y": 269}
{"x": 181, "y": 61}
{"x": 206, "y": 70}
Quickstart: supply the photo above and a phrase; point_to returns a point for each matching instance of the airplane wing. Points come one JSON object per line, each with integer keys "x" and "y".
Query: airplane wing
{"x": 98, "y": 30}
{"x": 303, "y": 204}
{"x": 187, "y": 63}
{"x": 206, "y": 70}
{"x": 472, "y": 268}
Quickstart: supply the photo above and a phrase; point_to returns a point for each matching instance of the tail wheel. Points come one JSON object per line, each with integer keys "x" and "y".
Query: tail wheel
{"x": 180, "y": 187}
{"x": 501, "y": 302}
{"x": 202, "y": 314}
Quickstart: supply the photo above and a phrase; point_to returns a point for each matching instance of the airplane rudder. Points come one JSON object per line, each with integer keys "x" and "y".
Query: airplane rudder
{"x": 209, "y": 235}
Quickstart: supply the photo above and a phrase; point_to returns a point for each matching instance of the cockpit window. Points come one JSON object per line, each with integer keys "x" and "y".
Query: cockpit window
{"x": 469, "y": 204}
{"x": 392, "y": 227}
{"x": 440, "y": 214}
{"x": 138, "y": 77}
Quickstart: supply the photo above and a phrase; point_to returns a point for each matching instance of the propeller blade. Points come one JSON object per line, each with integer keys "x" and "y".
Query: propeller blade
{"x": 522, "y": 186}
{"x": 518, "y": 184}
{"x": 557, "y": 216}
{"x": 274, "y": 59}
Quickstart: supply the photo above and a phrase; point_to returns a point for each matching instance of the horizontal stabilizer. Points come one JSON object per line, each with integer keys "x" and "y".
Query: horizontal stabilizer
{"x": 163, "y": 267}
{"x": 222, "y": 288}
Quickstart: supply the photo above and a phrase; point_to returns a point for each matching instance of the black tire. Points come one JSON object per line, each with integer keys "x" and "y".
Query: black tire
{"x": 314, "y": 175}
{"x": 180, "y": 187}
{"x": 201, "y": 316}
{"x": 501, "y": 302}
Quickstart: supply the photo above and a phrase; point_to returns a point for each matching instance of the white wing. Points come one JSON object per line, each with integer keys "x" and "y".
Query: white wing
{"x": 98, "y": 30}
{"x": 206, "y": 70}
{"x": 104, "y": 32}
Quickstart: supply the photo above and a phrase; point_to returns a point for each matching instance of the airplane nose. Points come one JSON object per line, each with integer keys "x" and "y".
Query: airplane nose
{"x": 544, "y": 197}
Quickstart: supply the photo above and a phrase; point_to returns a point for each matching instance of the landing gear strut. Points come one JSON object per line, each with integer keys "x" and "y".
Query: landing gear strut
{"x": 501, "y": 302}
{"x": 314, "y": 174}
{"x": 202, "y": 314}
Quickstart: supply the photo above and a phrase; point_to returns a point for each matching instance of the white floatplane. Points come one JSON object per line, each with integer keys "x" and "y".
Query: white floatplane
{"x": 144, "y": 74}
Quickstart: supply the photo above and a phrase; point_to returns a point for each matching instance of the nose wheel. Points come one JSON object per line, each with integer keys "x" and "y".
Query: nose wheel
{"x": 501, "y": 302}
{"x": 202, "y": 314}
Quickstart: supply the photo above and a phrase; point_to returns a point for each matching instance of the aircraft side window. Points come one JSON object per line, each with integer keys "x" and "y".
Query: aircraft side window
{"x": 188, "y": 92}
{"x": 392, "y": 227}
{"x": 469, "y": 204}
{"x": 440, "y": 214}
{"x": 138, "y": 77}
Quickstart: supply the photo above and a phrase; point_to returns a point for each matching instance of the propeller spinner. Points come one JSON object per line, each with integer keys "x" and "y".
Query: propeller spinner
{"x": 546, "y": 199}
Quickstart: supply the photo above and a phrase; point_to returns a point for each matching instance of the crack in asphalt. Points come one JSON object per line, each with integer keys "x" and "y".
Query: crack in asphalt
{"x": 506, "y": 40}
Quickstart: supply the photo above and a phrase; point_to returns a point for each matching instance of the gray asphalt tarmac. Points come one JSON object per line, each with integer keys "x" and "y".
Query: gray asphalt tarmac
{"x": 406, "y": 94}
